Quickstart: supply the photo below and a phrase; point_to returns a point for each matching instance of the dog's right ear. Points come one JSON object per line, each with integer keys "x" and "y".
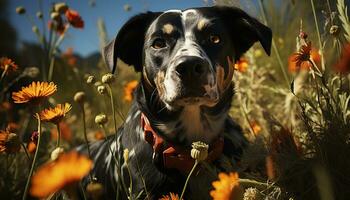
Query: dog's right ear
{"x": 128, "y": 44}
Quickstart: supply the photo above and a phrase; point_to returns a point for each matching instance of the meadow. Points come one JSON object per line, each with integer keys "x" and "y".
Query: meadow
{"x": 293, "y": 106}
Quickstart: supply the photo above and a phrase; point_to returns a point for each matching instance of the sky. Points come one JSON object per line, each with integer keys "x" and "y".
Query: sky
{"x": 86, "y": 41}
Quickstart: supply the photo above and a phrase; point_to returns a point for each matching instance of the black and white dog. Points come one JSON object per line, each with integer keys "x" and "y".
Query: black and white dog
{"x": 184, "y": 95}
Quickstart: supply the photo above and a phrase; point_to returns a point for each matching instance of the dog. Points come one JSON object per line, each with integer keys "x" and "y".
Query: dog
{"x": 185, "y": 58}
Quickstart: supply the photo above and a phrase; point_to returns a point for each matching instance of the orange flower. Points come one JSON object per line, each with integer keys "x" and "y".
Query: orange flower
{"x": 241, "y": 65}
{"x": 7, "y": 65}
{"x": 69, "y": 56}
{"x": 31, "y": 147}
{"x": 74, "y": 18}
{"x": 343, "y": 65}
{"x": 34, "y": 93}
{"x": 171, "y": 196}
{"x": 9, "y": 142}
{"x": 56, "y": 114}
{"x": 256, "y": 128}
{"x": 56, "y": 175}
{"x": 301, "y": 60}
{"x": 129, "y": 90}
{"x": 65, "y": 130}
{"x": 224, "y": 188}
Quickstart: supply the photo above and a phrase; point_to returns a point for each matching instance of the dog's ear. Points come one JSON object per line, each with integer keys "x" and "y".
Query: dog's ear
{"x": 245, "y": 30}
{"x": 128, "y": 43}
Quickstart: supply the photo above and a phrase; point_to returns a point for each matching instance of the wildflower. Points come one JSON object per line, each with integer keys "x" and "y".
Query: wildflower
{"x": 34, "y": 93}
{"x": 65, "y": 131}
{"x": 241, "y": 65}
{"x": 20, "y": 10}
{"x": 170, "y": 196}
{"x": 74, "y": 18}
{"x": 31, "y": 147}
{"x": 256, "y": 128}
{"x": 55, "y": 115}
{"x": 79, "y": 97}
{"x": 199, "y": 151}
{"x": 301, "y": 60}
{"x": 343, "y": 65}
{"x": 94, "y": 190}
{"x": 90, "y": 80}
{"x": 9, "y": 142}
{"x": 108, "y": 78}
{"x": 101, "y": 119}
{"x": 61, "y": 7}
{"x": 7, "y": 65}
{"x": 101, "y": 89}
{"x": 225, "y": 188}
{"x": 56, "y": 153}
{"x": 129, "y": 89}
{"x": 58, "y": 174}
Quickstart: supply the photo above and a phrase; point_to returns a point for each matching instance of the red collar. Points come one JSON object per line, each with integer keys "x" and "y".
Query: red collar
{"x": 175, "y": 157}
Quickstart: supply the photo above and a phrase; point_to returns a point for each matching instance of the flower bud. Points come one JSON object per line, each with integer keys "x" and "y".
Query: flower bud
{"x": 101, "y": 119}
{"x": 56, "y": 153}
{"x": 55, "y": 16}
{"x": 35, "y": 29}
{"x": 80, "y": 97}
{"x": 199, "y": 151}
{"x": 61, "y": 7}
{"x": 101, "y": 89}
{"x": 39, "y": 15}
{"x": 31, "y": 72}
{"x": 334, "y": 30}
{"x": 94, "y": 190}
{"x": 252, "y": 194}
{"x": 108, "y": 78}
{"x": 97, "y": 83}
{"x": 20, "y": 10}
{"x": 90, "y": 80}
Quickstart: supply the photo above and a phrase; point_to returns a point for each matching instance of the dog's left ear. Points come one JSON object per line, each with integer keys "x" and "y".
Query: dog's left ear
{"x": 128, "y": 43}
{"x": 245, "y": 30}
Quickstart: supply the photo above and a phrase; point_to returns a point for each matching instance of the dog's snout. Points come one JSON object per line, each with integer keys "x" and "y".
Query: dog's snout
{"x": 192, "y": 67}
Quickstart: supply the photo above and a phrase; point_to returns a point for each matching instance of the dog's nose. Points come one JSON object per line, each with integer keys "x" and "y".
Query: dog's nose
{"x": 191, "y": 67}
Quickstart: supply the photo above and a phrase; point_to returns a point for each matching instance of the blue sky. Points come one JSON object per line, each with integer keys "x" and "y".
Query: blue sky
{"x": 112, "y": 12}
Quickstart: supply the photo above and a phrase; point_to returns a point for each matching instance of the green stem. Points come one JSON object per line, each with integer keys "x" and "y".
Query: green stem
{"x": 318, "y": 35}
{"x": 26, "y": 151}
{"x": 130, "y": 179}
{"x": 274, "y": 47}
{"x": 188, "y": 178}
{"x": 34, "y": 159}
{"x": 113, "y": 109}
{"x": 58, "y": 135}
{"x": 85, "y": 134}
{"x": 3, "y": 75}
{"x": 52, "y": 66}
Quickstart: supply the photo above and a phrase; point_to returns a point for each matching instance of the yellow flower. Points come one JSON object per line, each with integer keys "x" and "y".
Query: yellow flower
{"x": 241, "y": 65}
{"x": 54, "y": 176}
{"x": 56, "y": 114}
{"x": 224, "y": 188}
{"x": 7, "y": 65}
{"x": 171, "y": 196}
{"x": 129, "y": 90}
{"x": 34, "y": 93}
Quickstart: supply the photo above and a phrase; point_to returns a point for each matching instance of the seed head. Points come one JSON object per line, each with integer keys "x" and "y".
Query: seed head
{"x": 20, "y": 10}
{"x": 101, "y": 89}
{"x": 55, "y": 16}
{"x": 80, "y": 97}
{"x": 31, "y": 72}
{"x": 199, "y": 151}
{"x": 334, "y": 30}
{"x": 39, "y": 15}
{"x": 90, "y": 80}
{"x": 252, "y": 194}
{"x": 108, "y": 78}
{"x": 101, "y": 119}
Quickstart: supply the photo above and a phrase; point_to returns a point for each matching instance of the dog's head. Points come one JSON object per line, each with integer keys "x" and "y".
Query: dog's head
{"x": 187, "y": 55}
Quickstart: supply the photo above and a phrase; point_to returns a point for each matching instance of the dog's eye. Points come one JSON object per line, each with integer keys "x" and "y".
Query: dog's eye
{"x": 215, "y": 39}
{"x": 159, "y": 43}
